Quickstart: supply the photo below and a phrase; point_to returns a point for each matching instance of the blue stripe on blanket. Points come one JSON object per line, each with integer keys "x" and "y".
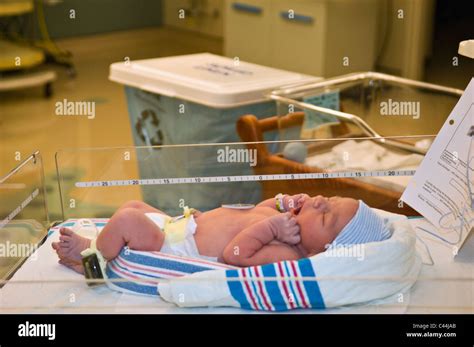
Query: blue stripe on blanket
{"x": 237, "y": 290}
{"x": 255, "y": 290}
{"x": 132, "y": 286}
{"x": 291, "y": 285}
{"x": 311, "y": 286}
{"x": 160, "y": 263}
{"x": 135, "y": 272}
{"x": 272, "y": 288}
{"x": 301, "y": 291}
{"x": 128, "y": 269}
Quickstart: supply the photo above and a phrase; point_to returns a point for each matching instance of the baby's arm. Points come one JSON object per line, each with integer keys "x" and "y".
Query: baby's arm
{"x": 252, "y": 246}
{"x": 268, "y": 203}
{"x": 288, "y": 202}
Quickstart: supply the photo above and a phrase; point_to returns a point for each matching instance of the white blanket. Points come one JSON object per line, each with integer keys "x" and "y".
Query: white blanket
{"x": 372, "y": 272}
{"x": 351, "y": 155}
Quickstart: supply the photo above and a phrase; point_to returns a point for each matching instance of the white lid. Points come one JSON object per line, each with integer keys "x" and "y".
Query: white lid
{"x": 205, "y": 78}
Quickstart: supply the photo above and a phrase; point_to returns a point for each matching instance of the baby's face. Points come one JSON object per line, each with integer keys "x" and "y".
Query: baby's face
{"x": 321, "y": 219}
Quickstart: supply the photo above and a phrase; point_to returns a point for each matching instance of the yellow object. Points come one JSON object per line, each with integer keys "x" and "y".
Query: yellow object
{"x": 61, "y": 56}
{"x": 279, "y": 203}
{"x": 15, "y": 8}
{"x": 16, "y": 57}
{"x": 175, "y": 228}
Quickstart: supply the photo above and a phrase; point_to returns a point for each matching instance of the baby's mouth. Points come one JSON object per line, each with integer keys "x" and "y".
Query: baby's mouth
{"x": 296, "y": 211}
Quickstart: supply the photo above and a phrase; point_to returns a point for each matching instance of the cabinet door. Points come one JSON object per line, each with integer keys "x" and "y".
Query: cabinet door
{"x": 298, "y": 35}
{"x": 247, "y": 30}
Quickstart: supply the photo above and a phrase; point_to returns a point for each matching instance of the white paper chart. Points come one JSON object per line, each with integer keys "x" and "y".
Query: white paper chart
{"x": 440, "y": 188}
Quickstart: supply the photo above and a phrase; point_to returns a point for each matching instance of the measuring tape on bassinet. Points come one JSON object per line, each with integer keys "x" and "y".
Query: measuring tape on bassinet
{"x": 243, "y": 178}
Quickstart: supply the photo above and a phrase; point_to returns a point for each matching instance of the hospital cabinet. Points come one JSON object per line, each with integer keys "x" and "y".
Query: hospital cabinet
{"x": 318, "y": 37}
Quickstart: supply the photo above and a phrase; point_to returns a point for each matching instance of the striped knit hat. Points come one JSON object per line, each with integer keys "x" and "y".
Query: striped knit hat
{"x": 365, "y": 226}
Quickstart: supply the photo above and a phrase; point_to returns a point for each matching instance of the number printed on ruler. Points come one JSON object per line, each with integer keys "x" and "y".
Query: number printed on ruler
{"x": 243, "y": 178}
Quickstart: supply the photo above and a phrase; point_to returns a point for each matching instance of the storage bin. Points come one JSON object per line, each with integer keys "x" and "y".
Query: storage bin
{"x": 195, "y": 98}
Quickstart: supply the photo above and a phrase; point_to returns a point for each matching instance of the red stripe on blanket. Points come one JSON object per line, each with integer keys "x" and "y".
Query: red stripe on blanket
{"x": 193, "y": 260}
{"x": 249, "y": 291}
{"x": 287, "y": 294}
{"x": 130, "y": 277}
{"x": 262, "y": 291}
{"x": 298, "y": 286}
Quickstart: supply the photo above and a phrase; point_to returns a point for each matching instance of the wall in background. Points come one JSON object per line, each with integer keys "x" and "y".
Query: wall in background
{"x": 98, "y": 16}
{"x": 202, "y": 16}
{"x": 408, "y": 39}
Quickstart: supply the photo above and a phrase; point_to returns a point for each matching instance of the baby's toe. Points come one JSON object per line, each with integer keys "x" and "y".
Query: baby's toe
{"x": 66, "y": 231}
{"x": 64, "y": 239}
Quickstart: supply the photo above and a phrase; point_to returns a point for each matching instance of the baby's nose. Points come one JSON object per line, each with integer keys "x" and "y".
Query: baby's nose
{"x": 319, "y": 202}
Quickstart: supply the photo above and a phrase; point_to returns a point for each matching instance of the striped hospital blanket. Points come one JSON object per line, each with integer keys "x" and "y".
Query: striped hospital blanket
{"x": 388, "y": 268}
{"x": 139, "y": 272}
{"x": 257, "y": 288}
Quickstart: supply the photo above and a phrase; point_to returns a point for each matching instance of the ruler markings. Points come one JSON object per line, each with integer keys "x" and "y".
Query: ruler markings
{"x": 243, "y": 178}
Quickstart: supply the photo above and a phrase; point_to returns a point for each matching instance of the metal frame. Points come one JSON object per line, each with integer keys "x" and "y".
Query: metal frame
{"x": 281, "y": 95}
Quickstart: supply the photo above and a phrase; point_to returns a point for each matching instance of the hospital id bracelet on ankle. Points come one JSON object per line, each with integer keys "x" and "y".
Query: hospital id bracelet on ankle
{"x": 279, "y": 202}
{"x": 94, "y": 264}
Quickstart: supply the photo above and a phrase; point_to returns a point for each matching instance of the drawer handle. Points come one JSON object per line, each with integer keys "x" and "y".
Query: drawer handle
{"x": 297, "y": 17}
{"x": 239, "y": 6}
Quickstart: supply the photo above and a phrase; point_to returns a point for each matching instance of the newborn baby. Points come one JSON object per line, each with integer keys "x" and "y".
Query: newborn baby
{"x": 283, "y": 228}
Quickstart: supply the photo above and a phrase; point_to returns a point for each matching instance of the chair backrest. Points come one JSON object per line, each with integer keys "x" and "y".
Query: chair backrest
{"x": 252, "y": 129}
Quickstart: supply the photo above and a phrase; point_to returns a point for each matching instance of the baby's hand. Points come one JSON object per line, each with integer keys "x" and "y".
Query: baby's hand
{"x": 285, "y": 228}
{"x": 295, "y": 201}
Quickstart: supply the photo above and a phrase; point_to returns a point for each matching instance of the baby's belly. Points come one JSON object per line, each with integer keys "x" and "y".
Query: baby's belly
{"x": 216, "y": 228}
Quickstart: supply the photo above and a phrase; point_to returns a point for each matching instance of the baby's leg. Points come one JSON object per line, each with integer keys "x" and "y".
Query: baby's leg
{"x": 141, "y": 206}
{"x": 129, "y": 227}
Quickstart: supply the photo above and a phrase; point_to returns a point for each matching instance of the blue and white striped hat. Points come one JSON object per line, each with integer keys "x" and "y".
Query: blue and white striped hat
{"x": 365, "y": 226}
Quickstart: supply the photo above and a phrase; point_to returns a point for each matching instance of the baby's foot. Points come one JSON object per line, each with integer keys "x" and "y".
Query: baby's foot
{"x": 78, "y": 267}
{"x": 69, "y": 248}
